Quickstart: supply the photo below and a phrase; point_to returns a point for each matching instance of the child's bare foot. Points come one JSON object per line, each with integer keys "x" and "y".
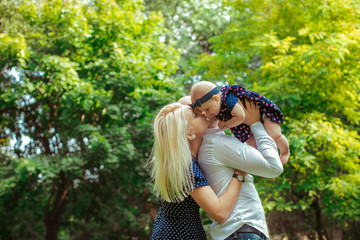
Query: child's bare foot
{"x": 284, "y": 157}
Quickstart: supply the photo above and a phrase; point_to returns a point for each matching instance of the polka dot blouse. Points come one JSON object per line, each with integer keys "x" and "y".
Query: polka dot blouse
{"x": 229, "y": 97}
{"x": 181, "y": 220}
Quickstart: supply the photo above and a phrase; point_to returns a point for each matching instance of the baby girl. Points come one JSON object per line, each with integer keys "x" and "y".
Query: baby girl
{"x": 228, "y": 106}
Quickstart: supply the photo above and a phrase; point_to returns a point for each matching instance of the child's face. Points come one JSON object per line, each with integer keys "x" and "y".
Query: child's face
{"x": 210, "y": 109}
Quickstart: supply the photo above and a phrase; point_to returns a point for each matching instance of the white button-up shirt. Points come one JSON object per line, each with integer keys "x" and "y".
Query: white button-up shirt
{"x": 219, "y": 155}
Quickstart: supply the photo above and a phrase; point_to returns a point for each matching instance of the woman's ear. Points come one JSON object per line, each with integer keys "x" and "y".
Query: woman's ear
{"x": 216, "y": 98}
{"x": 190, "y": 136}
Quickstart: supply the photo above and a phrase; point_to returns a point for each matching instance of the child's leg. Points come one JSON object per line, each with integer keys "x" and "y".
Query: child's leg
{"x": 274, "y": 130}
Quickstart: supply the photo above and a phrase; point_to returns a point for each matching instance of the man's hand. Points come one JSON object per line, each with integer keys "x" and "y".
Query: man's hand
{"x": 252, "y": 113}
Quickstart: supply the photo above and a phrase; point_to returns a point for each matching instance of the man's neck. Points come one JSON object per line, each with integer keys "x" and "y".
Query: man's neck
{"x": 214, "y": 124}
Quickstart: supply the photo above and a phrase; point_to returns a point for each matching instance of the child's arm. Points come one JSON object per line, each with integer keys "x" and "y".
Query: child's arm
{"x": 238, "y": 117}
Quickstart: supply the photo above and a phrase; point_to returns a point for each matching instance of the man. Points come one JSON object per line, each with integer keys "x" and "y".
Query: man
{"x": 219, "y": 155}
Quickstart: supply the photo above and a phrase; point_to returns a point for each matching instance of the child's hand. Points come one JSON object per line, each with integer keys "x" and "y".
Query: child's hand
{"x": 252, "y": 113}
{"x": 222, "y": 125}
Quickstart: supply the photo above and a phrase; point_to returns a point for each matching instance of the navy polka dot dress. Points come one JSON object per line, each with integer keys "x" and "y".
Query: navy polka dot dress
{"x": 181, "y": 220}
{"x": 229, "y": 97}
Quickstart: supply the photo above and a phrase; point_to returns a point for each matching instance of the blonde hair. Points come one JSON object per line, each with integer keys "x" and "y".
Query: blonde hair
{"x": 171, "y": 160}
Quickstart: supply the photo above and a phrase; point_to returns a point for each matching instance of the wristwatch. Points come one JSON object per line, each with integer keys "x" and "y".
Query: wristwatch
{"x": 239, "y": 177}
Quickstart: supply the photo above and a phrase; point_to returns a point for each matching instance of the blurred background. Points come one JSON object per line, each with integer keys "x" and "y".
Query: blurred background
{"x": 81, "y": 81}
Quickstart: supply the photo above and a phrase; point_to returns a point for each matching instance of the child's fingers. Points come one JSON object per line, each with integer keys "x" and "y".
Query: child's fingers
{"x": 221, "y": 125}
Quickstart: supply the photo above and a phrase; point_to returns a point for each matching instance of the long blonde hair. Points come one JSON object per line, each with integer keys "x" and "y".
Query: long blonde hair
{"x": 171, "y": 161}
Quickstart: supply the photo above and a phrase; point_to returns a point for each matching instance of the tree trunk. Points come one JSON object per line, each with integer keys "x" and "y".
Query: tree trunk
{"x": 354, "y": 230}
{"x": 53, "y": 216}
{"x": 318, "y": 219}
{"x": 52, "y": 228}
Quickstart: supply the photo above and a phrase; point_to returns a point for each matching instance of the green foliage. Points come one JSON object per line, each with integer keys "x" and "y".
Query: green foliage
{"x": 302, "y": 55}
{"x": 330, "y": 154}
{"x": 189, "y": 26}
{"x": 20, "y": 194}
{"x": 82, "y": 81}
{"x": 12, "y": 50}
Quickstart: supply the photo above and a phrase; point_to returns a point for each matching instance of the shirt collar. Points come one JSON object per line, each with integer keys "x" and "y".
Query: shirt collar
{"x": 214, "y": 131}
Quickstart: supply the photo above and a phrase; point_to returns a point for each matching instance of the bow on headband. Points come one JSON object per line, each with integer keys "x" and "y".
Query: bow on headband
{"x": 198, "y": 102}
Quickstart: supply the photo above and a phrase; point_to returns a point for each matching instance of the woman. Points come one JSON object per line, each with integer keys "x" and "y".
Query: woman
{"x": 178, "y": 180}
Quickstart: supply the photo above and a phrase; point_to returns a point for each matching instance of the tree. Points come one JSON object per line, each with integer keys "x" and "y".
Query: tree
{"x": 189, "y": 26}
{"x": 304, "y": 56}
{"x": 81, "y": 81}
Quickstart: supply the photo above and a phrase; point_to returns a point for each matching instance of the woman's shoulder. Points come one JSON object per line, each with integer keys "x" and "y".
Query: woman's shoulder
{"x": 199, "y": 177}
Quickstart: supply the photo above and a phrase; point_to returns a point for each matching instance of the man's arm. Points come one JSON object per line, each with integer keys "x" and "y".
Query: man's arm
{"x": 264, "y": 162}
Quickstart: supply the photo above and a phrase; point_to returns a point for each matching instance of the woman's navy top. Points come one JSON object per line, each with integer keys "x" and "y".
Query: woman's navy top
{"x": 181, "y": 220}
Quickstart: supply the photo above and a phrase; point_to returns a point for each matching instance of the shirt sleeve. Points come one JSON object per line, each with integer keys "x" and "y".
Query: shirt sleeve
{"x": 264, "y": 162}
{"x": 231, "y": 100}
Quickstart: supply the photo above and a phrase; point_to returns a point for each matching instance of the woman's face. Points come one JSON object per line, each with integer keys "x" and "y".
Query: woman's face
{"x": 197, "y": 124}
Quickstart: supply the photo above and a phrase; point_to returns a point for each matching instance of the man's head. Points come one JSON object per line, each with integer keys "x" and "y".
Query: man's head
{"x": 185, "y": 100}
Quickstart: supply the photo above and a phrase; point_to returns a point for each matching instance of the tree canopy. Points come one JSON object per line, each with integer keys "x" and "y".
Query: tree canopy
{"x": 304, "y": 56}
{"x": 81, "y": 80}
